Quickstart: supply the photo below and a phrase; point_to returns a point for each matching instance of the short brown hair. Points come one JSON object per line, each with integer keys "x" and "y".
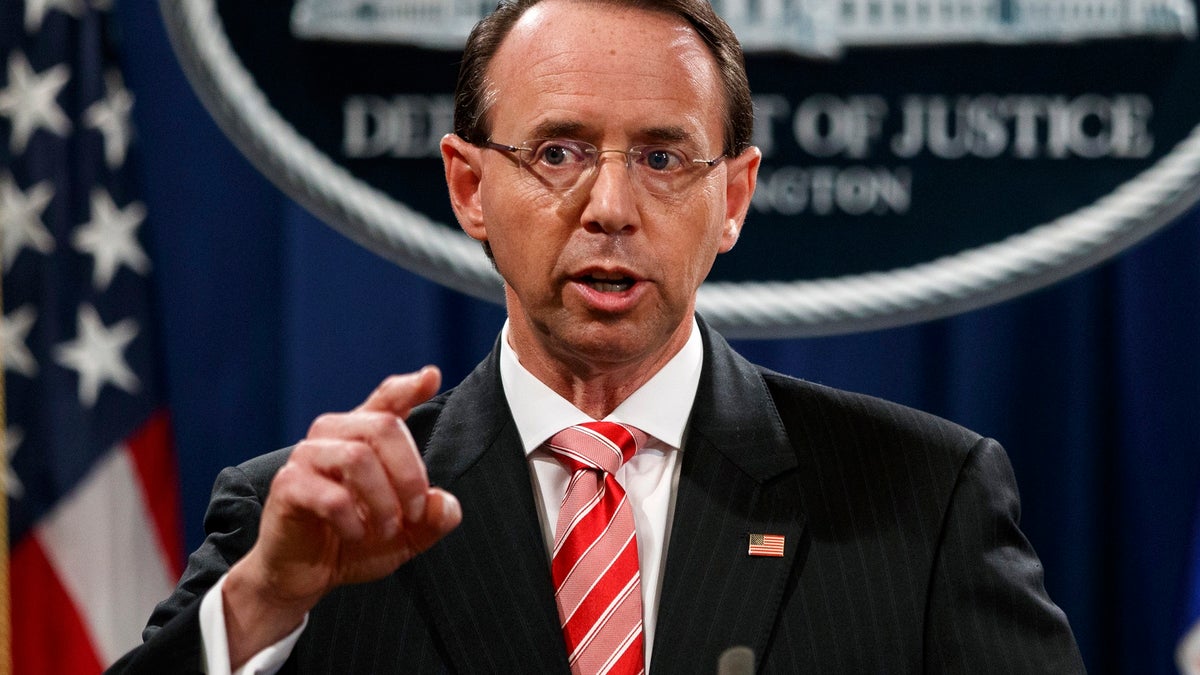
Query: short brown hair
{"x": 470, "y": 94}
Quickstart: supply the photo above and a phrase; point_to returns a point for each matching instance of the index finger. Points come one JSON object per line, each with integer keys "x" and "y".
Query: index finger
{"x": 399, "y": 394}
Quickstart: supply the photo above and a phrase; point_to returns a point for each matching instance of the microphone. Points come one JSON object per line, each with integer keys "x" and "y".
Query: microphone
{"x": 736, "y": 661}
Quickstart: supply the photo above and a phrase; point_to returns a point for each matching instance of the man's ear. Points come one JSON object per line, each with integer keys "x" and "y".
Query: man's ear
{"x": 463, "y": 175}
{"x": 741, "y": 177}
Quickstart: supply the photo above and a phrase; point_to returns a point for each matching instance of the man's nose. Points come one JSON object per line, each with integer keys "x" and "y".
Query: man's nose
{"x": 612, "y": 197}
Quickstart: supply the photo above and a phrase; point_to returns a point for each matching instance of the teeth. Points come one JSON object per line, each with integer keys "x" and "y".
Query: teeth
{"x": 610, "y": 286}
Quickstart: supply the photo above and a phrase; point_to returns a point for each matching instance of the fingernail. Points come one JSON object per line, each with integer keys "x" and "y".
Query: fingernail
{"x": 414, "y": 508}
{"x": 451, "y": 509}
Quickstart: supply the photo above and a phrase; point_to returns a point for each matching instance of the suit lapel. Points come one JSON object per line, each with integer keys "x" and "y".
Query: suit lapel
{"x": 738, "y": 478}
{"x": 487, "y": 585}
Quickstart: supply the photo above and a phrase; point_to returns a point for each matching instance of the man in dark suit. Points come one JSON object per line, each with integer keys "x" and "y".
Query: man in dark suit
{"x": 601, "y": 154}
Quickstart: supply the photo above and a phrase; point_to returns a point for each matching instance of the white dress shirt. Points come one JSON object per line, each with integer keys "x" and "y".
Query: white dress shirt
{"x": 660, "y": 408}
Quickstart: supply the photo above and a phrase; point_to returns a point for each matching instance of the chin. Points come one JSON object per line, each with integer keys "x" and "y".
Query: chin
{"x": 620, "y": 341}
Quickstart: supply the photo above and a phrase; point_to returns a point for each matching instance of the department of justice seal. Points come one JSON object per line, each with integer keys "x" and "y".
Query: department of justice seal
{"x": 921, "y": 157}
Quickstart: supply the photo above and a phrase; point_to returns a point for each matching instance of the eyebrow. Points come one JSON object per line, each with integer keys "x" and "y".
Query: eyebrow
{"x": 574, "y": 129}
{"x": 557, "y": 129}
{"x": 671, "y": 134}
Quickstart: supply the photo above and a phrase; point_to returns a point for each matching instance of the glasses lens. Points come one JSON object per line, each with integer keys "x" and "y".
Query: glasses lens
{"x": 662, "y": 169}
{"x": 556, "y": 162}
{"x": 562, "y": 164}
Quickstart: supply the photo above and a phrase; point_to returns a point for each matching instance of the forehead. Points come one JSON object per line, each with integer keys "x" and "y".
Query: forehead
{"x": 606, "y": 68}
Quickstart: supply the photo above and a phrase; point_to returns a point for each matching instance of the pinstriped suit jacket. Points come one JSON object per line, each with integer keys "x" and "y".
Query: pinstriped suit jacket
{"x": 903, "y": 552}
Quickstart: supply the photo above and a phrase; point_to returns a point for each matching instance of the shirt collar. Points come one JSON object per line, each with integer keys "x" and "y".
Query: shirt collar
{"x": 660, "y": 407}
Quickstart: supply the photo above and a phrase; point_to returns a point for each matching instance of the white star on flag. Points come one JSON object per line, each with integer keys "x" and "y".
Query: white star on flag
{"x": 35, "y": 11}
{"x": 14, "y": 330}
{"x": 29, "y": 100}
{"x": 21, "y": 219}
{"x": 110, "y": 116}
{"x": 97, "y": 354}
{"x": 13, "y": 487}
{"x": 111, "y": 238}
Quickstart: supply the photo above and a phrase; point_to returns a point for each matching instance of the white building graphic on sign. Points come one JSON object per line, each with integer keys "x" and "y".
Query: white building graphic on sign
{"x": 425, "y": 23}
{"x": 804, "y": 26}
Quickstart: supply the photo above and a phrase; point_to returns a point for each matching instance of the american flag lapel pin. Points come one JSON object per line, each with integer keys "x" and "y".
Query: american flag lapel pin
{"x": 766, "y": 545}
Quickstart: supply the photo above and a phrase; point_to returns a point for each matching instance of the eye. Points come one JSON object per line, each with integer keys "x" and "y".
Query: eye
{"x": 662, "y": 159}
{"x": 558, "y": 153}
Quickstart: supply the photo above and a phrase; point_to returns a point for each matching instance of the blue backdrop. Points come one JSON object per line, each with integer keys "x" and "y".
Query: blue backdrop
{"x": 1093, "y": 385}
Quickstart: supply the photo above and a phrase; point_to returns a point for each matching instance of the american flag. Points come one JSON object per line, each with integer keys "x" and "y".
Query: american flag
{"x": 769, "y": 545}
{"x": 91, "y": 482}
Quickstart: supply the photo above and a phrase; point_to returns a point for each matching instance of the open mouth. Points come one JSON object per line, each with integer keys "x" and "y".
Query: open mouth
{"x": 608, "y": 283}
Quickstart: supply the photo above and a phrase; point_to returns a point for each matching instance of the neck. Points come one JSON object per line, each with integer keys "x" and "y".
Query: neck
{"x": 595, "y": 386}
{"x": 598, "y": 394}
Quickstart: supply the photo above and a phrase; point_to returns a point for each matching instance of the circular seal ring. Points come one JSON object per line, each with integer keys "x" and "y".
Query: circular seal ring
{"x": 955, "y": 283}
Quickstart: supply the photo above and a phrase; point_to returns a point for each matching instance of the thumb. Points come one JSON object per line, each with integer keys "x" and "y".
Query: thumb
{"x": 399, "y": 394}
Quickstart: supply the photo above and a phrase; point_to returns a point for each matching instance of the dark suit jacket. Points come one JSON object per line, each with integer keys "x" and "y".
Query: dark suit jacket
{"x": 903, "y": 552}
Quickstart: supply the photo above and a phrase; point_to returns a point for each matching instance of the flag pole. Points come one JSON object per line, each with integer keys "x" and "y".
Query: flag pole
{"x": 6, "y": 662}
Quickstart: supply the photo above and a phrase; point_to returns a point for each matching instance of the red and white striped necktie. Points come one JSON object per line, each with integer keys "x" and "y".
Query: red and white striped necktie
{"x": 595, "y": 558}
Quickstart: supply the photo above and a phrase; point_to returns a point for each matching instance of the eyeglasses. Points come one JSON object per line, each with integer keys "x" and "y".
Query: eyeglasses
{"x": 561, "y": 164}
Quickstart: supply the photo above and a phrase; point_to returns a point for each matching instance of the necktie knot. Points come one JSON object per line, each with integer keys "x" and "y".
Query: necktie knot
{"x": 603, "y": 446}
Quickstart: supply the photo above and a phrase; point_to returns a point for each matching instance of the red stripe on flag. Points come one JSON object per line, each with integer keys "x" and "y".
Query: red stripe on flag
{"x": 48, "y": 634}
{"x": 153, "y": 454}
